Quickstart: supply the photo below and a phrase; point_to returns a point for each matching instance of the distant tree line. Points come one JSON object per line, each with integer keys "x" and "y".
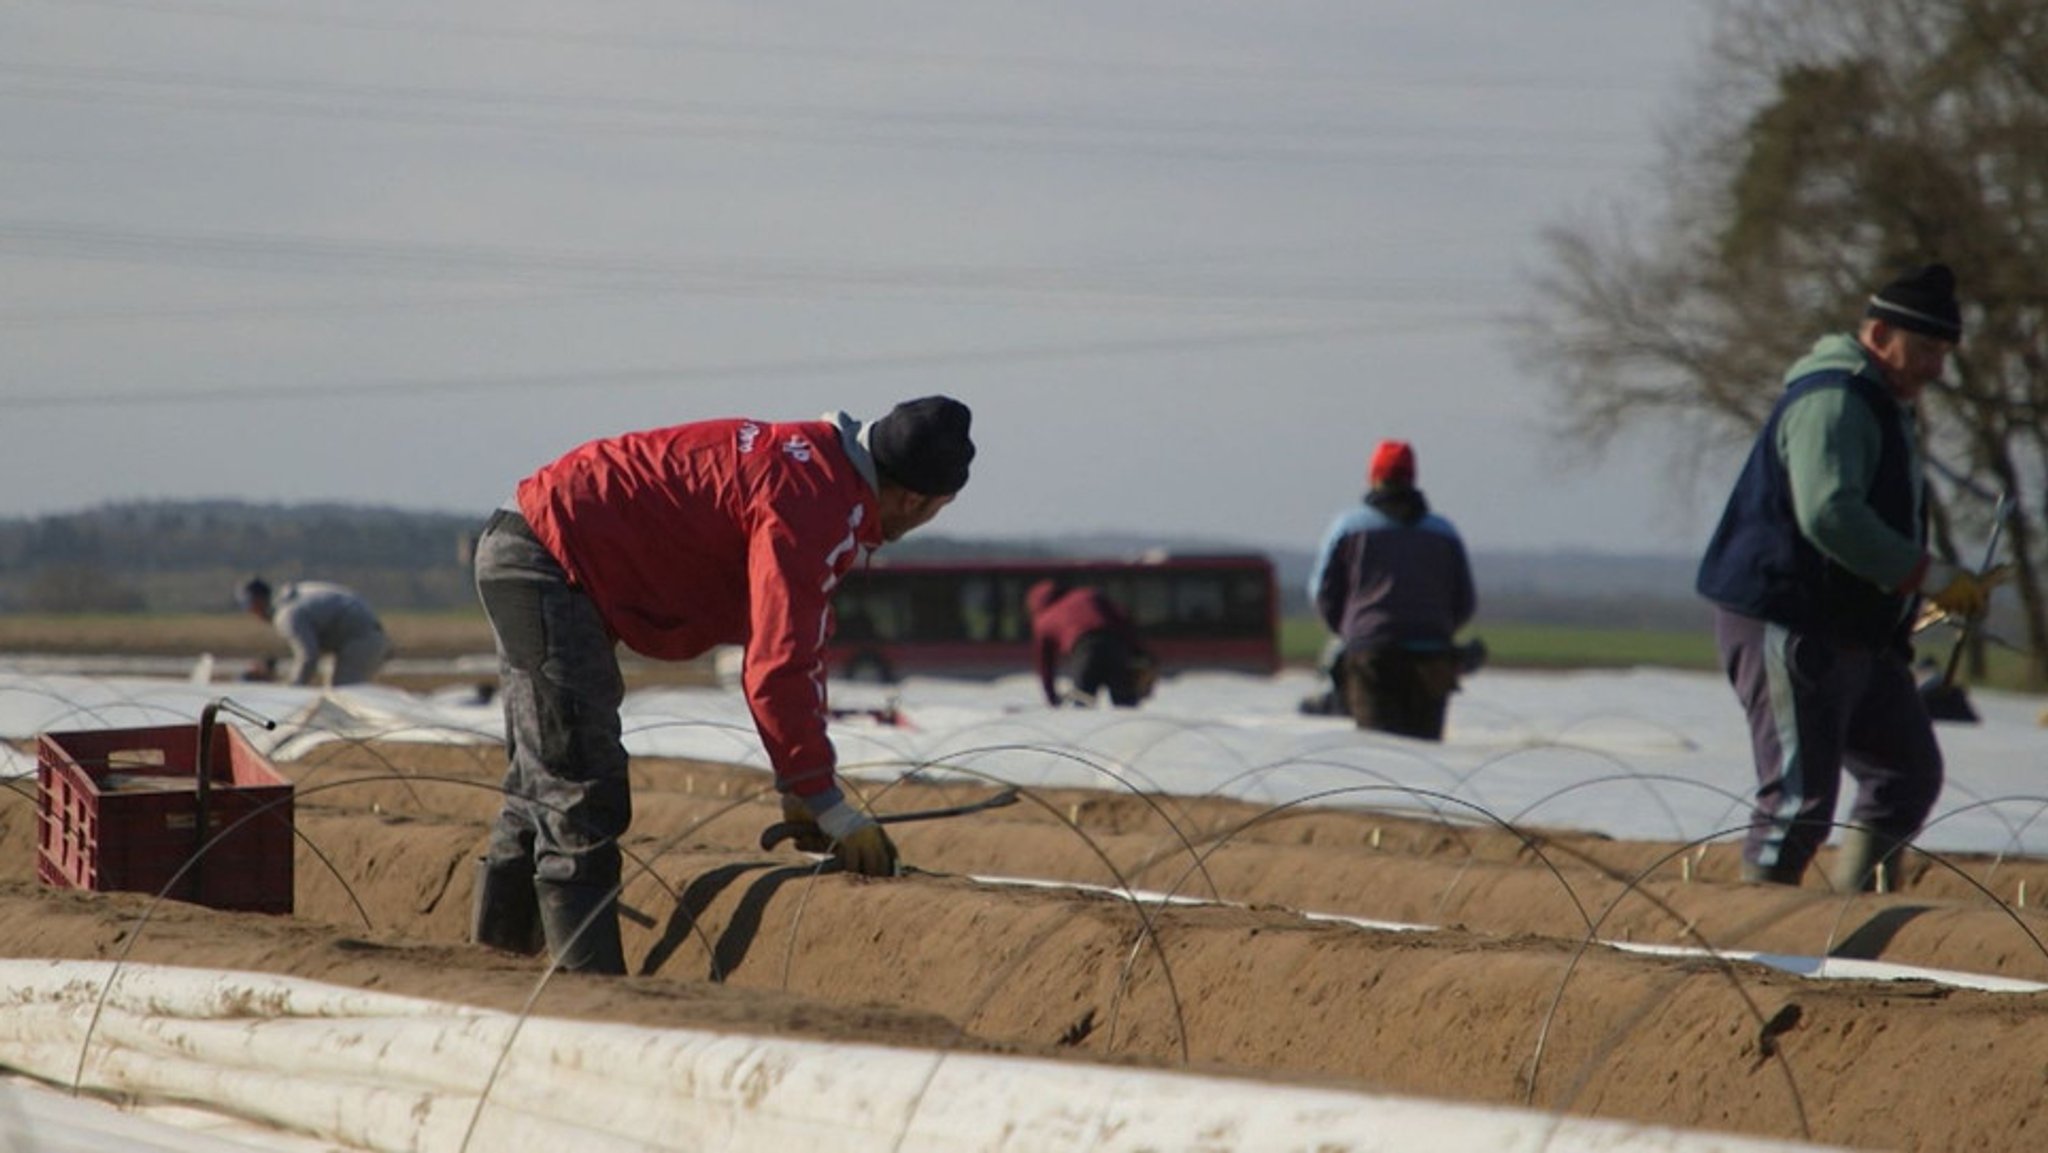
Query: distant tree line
{"x": 189, "y": 556}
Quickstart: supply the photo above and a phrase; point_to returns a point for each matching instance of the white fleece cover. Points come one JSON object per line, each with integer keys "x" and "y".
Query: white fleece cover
{"x": 1645, "y": 753}
{"x": 370, "y": 1071}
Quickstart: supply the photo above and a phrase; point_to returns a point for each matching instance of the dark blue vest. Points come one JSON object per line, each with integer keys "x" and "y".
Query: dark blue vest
{"x": 1758, "y": 563}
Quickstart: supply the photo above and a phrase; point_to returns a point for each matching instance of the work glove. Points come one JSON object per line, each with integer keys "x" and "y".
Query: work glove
{"x": 867, "y": 851}
{"x": 1960, "y": 592}
{"x": 809, "y": 837}
{"x": 860, "y": 844}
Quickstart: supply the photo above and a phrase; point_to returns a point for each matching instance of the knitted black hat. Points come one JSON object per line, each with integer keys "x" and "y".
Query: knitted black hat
{"x": 1923, "y": 301}
{"x": 252, "y": 590}
{"x": 923, "y": 445}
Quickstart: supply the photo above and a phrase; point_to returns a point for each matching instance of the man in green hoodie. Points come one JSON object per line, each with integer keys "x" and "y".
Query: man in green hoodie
{"x": 1816, "y": 572}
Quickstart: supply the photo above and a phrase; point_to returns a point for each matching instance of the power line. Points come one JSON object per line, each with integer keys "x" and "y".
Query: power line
{"x": 273, "y": 308}
{"x": 1289, "y": 71}
{"x": 73, "y": 398}
{"x": 462, "y": 263}
{"x": 1004, "y": 132}
{"x": 835, "y": 115}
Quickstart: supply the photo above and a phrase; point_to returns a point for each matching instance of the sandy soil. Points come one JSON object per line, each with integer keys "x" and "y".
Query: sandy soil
{"x": 1504, "y": 1000}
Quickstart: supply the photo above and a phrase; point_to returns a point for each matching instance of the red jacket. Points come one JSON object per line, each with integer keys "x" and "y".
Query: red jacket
{"x": 1058, "y": 621}
{"x": 719, "y": 532}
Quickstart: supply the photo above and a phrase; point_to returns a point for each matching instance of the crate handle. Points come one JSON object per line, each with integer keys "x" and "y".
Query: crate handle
{"x": 206, "y": 719}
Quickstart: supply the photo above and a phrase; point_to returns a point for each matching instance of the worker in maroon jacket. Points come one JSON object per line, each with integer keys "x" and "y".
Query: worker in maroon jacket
{"x": 1100, "y": 646}
{"x": 671, "y": 541}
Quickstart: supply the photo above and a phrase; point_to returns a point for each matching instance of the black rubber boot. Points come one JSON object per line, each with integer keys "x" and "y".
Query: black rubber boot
{"x": 582, "y": 923}
{"x": 1755, "y": 874}
{"x": 506, "y": 912}
{"x": 1867, "y": 860}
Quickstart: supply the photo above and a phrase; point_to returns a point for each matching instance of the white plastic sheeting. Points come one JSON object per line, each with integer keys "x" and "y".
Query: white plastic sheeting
{"x": 304, "y": 717}
{"x": 1797, "y": 964}
{"x": 1645, "y": 754}
{"x": 1641, "y": 754}
{"x": 36, "y": 1118}
{"x": 379, "y": 1072}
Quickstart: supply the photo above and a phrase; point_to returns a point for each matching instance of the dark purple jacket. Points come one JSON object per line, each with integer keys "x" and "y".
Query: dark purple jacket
{"x": 1390, "y": 572}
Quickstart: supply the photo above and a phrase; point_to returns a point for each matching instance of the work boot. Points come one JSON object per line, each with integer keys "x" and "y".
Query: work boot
{"x": 1779, "y": 874}
{"x": 1867, "y": 860}
{"x": 506, "y": 912}
{"x": 582, "y": 924}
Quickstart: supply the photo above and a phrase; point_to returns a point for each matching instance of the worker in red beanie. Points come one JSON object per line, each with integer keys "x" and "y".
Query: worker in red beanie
{"x": 1393, "y": 583}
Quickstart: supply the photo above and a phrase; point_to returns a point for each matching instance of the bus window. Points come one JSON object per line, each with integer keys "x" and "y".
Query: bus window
{"x": 1014, "y": 623}
{"x": 1198, "y": 603}
{"x": 968, "y": 618}
{"x": 867, "y": 613}
{"x": 978, "y": 613}
{"x": 935, "y": 610}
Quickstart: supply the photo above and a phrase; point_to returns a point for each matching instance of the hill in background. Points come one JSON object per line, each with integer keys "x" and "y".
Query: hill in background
{"x": 189, "y": 556}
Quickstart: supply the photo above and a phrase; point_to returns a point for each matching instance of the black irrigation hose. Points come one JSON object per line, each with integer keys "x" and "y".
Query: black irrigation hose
{"x": 1150, "y": 800}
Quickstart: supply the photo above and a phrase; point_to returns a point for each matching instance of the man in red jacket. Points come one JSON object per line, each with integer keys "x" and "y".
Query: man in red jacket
{"x": 1096, "y": 640}
{"x": 671, "y": 541}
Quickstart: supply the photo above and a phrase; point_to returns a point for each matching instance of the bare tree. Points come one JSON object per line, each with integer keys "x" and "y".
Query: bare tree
{"x": 1833, "y": 144}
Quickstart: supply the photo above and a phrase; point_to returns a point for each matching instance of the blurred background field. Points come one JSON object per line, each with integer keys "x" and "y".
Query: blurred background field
{"x": 454, "y": 634}
{"x": 155, "y": 580}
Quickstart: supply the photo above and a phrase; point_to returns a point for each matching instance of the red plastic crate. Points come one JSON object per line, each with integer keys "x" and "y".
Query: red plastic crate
{"x": 117, "y": 809}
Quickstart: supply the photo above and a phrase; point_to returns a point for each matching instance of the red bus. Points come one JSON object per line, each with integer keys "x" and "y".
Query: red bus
{"x": 967, "y": 618}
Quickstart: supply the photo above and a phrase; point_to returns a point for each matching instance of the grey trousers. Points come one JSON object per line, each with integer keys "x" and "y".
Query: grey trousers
{"x": 1815, "y": 708}
{"x": 567, "y": 798}
{"x": 359, "y": 659}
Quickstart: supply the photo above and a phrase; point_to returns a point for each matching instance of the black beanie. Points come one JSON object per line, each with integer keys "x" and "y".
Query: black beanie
{"x": 1923, "y": 301}
{"x": 923, "y": 445}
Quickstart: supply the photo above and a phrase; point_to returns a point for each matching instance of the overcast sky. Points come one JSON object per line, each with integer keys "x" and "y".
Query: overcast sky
{"x": 1187, "y": 260}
